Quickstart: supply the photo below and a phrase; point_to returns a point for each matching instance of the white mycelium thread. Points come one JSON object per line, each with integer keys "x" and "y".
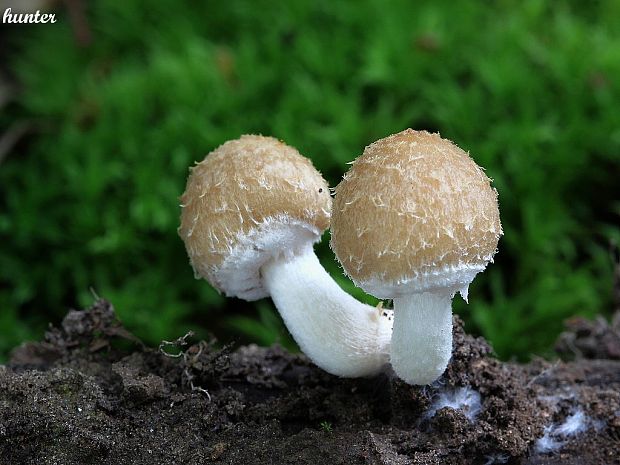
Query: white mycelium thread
{"x": 556, "y": 435}
{"x": 465, "y": 399}
{"x": 341, "y": 335}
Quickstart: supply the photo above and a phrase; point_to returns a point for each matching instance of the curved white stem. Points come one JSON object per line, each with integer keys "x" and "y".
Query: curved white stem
{"x": 341, "y": 335}
{"x": 422, "y": 338}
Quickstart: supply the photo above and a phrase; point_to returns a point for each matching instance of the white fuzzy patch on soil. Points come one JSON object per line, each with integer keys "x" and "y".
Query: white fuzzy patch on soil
{"x": 557, "y": 434}
{"x": 465, "y": 399}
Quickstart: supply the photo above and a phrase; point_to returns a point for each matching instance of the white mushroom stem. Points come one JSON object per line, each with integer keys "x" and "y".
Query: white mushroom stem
{"x": 422, "y": 337}
{"x": 340, "y": 334}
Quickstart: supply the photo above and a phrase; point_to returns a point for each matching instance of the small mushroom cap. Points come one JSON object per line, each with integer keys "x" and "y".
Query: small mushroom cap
{"x": 250, "y": 200}
{"x": 413, "y": 214}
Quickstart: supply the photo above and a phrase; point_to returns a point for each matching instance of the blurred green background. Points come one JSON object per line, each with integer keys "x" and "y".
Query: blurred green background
{"x": 104, "y": 130}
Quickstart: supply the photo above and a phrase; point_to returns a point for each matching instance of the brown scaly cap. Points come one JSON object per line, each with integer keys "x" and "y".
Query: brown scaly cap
{"x": 414, "y": 213}
{"x": 248, "y": 200}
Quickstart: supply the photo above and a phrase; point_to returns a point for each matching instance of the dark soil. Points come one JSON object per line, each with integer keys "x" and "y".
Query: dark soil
{"x": 92, "y": 393}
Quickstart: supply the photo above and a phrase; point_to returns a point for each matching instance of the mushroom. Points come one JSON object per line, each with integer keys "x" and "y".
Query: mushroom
{"x": 414, "y": 220}
{"x": 251, "y": 212}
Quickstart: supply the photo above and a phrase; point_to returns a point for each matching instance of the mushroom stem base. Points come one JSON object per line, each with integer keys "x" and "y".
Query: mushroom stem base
{"x": 340, "y": 334}
{"x": 422, "y": 338}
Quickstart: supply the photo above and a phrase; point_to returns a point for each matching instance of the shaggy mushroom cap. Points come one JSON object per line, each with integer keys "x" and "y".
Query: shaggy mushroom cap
{"x": 248, "y": 201}
{"x": 414, "y": 214}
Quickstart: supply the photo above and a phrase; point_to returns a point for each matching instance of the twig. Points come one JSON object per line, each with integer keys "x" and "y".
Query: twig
{"x": 178, "y": 343}
{"x": 188, "y": 360}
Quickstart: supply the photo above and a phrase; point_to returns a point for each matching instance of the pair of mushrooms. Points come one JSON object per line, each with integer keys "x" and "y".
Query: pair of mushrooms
{"x": 414, "y": 220}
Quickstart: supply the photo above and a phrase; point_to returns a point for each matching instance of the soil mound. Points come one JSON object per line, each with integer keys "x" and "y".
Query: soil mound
{"x": 91, "y": 392}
